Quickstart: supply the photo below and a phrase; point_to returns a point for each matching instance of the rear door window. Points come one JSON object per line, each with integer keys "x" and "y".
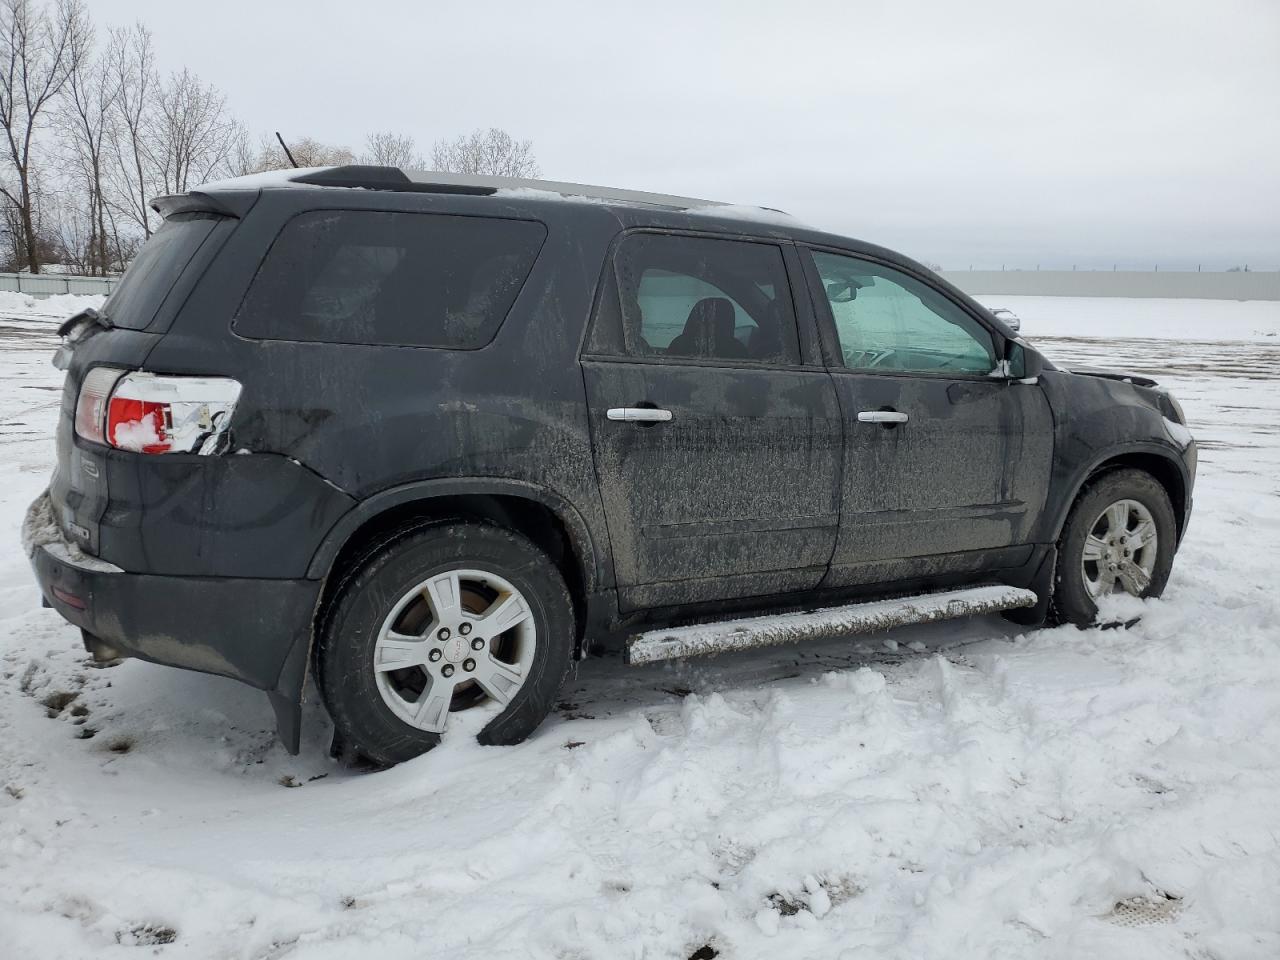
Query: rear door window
{"x": 134, "y": 302}
{"x": 410, "y": 279}
{"x": 698, "y": 298}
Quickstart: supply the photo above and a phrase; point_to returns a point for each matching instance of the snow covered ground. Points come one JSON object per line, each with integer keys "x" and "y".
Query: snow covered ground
{"x": 1124, "y": 317}
{"x": 956, "y": 790}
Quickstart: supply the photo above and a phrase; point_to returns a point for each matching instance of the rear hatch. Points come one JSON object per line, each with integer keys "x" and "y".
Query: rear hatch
{"x": 132, "y": 321}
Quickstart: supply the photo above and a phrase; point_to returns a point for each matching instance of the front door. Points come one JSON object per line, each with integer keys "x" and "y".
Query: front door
{"x": 717, "y": 450}
{"x": 946, "y": 464}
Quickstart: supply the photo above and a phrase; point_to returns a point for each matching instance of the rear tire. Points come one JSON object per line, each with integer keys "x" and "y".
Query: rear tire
{"x": 407, "y": 643}
{"x": 1103, "y": 543}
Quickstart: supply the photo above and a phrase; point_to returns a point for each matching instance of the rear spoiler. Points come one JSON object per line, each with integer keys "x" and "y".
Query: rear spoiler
{"x": 221, "y": 204}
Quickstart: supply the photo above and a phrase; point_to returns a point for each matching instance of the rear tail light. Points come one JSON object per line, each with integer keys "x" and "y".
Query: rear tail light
{"x": 150, "y": 413}
{"x": 91, "y": 406}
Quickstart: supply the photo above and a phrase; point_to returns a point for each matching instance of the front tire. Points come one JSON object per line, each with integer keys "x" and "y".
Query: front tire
{"x": 440, "y": 620}
{"x": 1120, "y": 536}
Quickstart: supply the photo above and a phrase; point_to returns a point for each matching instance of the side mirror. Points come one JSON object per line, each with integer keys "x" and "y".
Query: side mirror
{"x": 1007, "y": 317}
{"x": 1022, "y": 363}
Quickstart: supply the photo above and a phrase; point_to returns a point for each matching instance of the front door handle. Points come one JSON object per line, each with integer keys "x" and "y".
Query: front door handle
{"x": 881, "y": 416}
{"x": 639, "y": 414}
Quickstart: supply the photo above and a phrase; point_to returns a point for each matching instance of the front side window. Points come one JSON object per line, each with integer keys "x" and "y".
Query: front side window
{"x": 703, "y": 298}
{"x": 887, "y": 320}
{"x": 410, "y": 279}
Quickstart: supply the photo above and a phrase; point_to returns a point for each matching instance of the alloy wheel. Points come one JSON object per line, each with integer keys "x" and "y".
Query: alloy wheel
{"x": 1120, "y": 550}
{"x": 458, "y": 639}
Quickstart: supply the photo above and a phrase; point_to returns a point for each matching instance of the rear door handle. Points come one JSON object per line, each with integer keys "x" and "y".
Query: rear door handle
{"x": 639, "y": 414}
{"x": 881, "y": 416}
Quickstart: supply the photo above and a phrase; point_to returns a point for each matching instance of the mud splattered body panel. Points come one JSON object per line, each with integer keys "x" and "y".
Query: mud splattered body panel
{"x": 965, "y": 474}
{"x": 736, "y": 495}
{"x": 763, "y": 490}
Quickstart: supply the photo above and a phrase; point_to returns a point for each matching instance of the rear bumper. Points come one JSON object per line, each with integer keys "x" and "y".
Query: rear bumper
{"x": 255, "y": 631}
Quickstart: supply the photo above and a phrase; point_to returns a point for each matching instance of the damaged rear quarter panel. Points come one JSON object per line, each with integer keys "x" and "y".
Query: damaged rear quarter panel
{"x": 369, "y": 418}
{"x": 196, "y": 516}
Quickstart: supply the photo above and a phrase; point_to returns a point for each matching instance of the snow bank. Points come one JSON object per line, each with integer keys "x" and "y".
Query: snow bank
{"x": 59, "y": 306}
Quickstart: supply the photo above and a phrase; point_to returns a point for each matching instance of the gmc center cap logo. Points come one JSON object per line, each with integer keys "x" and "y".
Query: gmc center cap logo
{"x": 456, "y": 649}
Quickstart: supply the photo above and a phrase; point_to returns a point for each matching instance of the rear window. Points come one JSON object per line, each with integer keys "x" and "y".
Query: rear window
{"x": 411, "y": 279}
{"x": 134, "y": 302}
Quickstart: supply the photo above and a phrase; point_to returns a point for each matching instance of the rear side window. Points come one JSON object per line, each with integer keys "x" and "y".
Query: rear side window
{"x": 134, "y": 302}
{"x": 410, "y": 279}
{"x": 698, "y": 298}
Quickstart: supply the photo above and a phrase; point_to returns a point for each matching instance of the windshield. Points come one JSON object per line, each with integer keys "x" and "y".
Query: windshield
{"x": 134, "y": 302}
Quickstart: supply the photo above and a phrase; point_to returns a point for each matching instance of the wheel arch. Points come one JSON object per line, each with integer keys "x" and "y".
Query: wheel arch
{"x": 1166, "y": 468}
{"x": 548, "y": 520}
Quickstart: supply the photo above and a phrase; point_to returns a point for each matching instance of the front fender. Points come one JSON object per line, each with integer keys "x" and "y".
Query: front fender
{"x": 1101, "y": 421}
{"x": 1121, "y": 454}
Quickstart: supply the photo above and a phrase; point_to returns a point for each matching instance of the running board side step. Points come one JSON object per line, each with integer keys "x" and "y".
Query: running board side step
{"x": 701, "y": 639}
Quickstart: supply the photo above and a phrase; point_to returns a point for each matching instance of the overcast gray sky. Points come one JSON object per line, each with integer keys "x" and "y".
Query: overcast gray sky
{"x": 983, "y": 132}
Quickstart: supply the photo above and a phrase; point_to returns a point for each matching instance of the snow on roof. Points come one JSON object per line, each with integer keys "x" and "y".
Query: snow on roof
{"x": 511, "y": 187}
{"x": 553, "y": 190}
{"x": 268, "y": 178}
{"x": 548, "y": 189}
{"x": 734, "y": 211}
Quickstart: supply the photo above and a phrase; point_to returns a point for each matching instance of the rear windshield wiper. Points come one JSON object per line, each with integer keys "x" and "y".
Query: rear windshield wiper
{"x": 74, "y": 329}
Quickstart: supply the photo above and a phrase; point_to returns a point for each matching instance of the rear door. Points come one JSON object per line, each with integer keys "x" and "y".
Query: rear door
{"x": 946, "y": 463}
{"x": 717, "y": 446}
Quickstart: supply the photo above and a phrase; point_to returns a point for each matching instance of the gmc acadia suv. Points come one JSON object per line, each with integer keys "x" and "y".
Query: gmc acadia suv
{"x": 429, "y": 434}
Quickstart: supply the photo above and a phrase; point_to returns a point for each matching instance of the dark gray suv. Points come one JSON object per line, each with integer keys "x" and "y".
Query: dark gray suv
{"x": 429, "y": 434}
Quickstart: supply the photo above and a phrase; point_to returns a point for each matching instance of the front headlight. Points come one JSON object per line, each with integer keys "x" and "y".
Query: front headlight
{"x": 1171, "y": 408}
{"x": 1175, "y": 421}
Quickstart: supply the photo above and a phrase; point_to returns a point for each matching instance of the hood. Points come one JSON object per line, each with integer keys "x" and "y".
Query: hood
{"x": 1117, "y": 375}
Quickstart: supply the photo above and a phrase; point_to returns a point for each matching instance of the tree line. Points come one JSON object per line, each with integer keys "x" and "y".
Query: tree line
{"x": 94, "y": 131}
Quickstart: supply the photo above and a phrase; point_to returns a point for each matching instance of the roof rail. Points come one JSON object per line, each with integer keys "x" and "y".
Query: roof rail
{"x": 385, "y": 178}
{"x": 435, "y": 181}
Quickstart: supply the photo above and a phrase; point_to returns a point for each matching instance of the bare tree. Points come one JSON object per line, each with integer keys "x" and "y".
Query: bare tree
{"x": 45, "y": 215}
{"x": 244, "y": 158}
{"x": 494, "y": 152}
{"x": 389, "y": 149}
{"x": 193, "y": 138}
{"x": 36, "y": 53}
{"x": 308, "y": 151}
{"x": 66, "y": 229}
{"x": 84, "y": 123}
{"x": 131, "y": 63}
{"x": 123, "y": 134}
{"x": 15, "y": 241}
{"x": 169, "y": 135}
